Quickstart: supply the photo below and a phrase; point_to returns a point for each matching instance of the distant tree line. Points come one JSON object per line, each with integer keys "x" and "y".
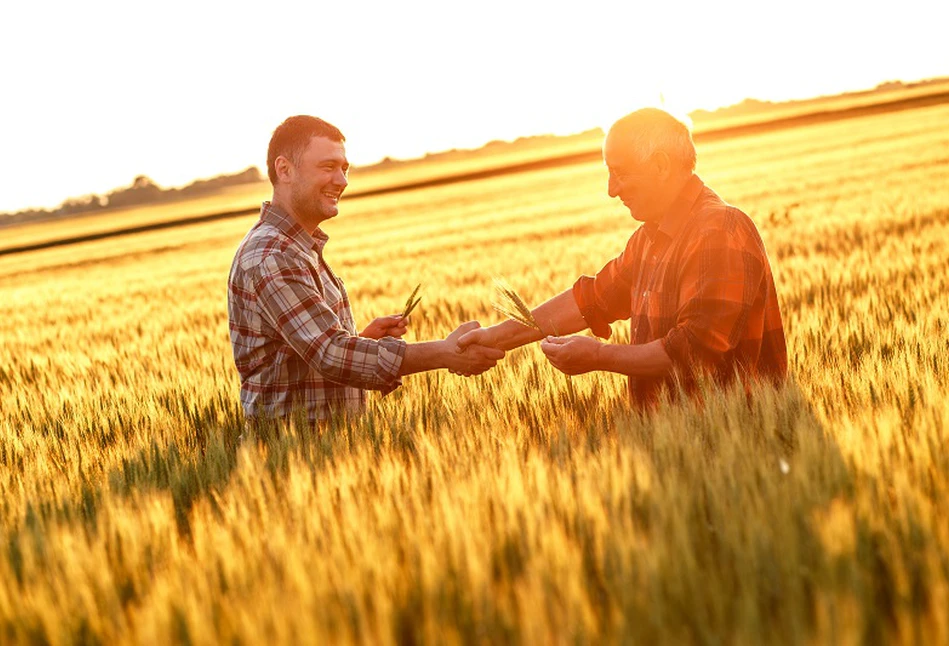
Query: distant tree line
{"x": 142, "y": 191}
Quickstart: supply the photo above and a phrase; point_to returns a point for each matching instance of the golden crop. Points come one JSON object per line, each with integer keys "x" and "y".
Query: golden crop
{"x": 518, "y": 506}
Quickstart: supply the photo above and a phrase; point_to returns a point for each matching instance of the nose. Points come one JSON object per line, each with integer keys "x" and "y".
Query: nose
{"x": 612, "y": 186}
{"x": 341, "y": 178}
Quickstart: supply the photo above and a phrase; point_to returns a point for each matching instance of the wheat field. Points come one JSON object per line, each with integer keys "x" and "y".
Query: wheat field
{"x": 516, "y": 507}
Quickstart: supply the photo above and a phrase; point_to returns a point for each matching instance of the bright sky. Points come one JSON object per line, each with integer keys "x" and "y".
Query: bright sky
{"x": 94, "y": 93}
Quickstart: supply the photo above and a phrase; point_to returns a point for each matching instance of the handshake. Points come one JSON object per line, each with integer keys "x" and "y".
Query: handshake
{"x": 481, "y": 348}
{"x": 471, "y": 349}
{"x": 462, "y": 352}
{"x": 472, "y": 353}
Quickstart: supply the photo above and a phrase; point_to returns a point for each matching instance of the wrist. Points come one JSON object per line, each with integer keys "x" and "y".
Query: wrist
{"x": 442, "y": 353}
{"x": 489, "y": 336}
{"x": 603, "y": 357}
{"x": 510, "y": 335}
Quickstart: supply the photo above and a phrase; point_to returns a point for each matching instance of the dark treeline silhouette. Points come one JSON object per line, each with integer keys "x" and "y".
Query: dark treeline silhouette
{"x": 142, "y": 191}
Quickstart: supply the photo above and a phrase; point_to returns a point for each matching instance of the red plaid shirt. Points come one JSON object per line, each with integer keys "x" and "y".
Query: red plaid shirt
{"x": 700, "y": 281}
{"x": 292, "y": 328}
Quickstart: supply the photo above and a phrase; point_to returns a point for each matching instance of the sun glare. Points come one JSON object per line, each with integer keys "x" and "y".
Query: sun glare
{"x": 403, "y": 80}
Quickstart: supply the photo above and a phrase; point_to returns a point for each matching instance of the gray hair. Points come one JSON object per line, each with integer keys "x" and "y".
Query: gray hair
{"x": 645, "y": 132}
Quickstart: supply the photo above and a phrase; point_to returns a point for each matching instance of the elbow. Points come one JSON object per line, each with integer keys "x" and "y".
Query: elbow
{"x": 334, "y": 360}
{"x": 689, "y": 351}
{"x": 360, "y": 363}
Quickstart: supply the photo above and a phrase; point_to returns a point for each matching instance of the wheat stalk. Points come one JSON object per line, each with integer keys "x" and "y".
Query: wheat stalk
{"x": 412, "y": 301}
{"x": 511, "y": 305}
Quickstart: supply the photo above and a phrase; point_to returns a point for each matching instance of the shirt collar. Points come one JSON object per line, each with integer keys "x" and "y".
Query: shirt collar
{"x": 277, "y": 217}
{"x": 678, "y": 214}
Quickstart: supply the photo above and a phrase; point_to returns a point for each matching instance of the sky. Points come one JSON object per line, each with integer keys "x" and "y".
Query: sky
{"x": 95, "y": 93}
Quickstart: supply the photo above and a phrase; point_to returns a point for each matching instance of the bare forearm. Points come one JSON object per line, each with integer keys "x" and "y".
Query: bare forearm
{"x": 645, "y": 360}
{"x": 427, "y": 355}
{"x": 557, "y": 316}
{"x": 560, "y": 315}
{"x": 432, "y": 355}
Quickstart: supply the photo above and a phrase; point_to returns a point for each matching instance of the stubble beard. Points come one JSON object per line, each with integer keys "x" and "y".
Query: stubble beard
{"x": 309, "y": 209}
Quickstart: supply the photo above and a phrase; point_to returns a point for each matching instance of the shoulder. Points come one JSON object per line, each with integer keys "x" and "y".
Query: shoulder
{"x": 716, "y": 219}
{"x": 636, "y": 241}
{"x": 266, "y": 249}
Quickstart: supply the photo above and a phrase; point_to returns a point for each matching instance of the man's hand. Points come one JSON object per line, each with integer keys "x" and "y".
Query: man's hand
{"x": 477, "y": 335}
{"x": 383, "y": 326}
{"x": 472, "y": 358}
{"x": 573, "y": 355}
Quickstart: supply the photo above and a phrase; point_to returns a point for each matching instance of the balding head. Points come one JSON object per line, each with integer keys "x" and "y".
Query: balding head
{"x": 641, "y": 134}
{"x": 650, "y": 156}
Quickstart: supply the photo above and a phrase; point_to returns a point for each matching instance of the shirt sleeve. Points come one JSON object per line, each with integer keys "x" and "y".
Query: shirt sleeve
{"x": 605, "y": 298}
{"x": 721, "y": 278}
{"x": 292, "y": 303}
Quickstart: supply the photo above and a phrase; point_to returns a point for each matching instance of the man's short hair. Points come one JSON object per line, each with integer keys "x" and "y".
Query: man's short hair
{"x": 648, "y": 130}
{"x": 292, "y": 137}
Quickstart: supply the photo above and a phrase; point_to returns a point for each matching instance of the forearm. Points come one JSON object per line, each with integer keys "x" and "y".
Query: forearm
{"x": 645, "y": 360}
{"x": 557, "y": 316}
{"x": 358, "y": 362}
{"x": 427, "y": 355}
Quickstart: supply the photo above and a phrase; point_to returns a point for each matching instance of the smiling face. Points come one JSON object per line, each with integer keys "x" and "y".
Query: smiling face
{"x": 637, "y": 183}
{"x": 650, "y": 156}
{"x": 315, "y": 181}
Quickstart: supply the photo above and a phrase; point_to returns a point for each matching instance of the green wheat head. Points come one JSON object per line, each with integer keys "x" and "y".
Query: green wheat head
{"x": 412, "y": 301}
{"x": 510, "y": 304}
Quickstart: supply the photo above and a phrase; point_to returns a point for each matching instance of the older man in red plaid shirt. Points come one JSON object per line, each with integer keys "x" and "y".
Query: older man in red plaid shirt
{"x": 694, "y": 280}
{"x": 292, "y": 328}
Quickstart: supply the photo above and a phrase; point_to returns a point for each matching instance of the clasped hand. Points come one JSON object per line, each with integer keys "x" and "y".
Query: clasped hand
{"x": 472, "y": 358}
{"x": 473, "y": 350}
{"x": 572, "y": 355}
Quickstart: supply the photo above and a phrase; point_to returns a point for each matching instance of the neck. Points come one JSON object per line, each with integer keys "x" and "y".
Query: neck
{"x": 283, "y": 203}
{"x": 670, "y": 193}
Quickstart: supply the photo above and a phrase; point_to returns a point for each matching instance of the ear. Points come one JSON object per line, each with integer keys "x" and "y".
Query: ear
{"x": 284, "y": 168}
{"x": 663, "y": 164}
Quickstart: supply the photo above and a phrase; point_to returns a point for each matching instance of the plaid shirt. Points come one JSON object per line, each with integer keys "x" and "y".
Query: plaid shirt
{"x": 292, "y": 328}
{"x": 700, "y": 281}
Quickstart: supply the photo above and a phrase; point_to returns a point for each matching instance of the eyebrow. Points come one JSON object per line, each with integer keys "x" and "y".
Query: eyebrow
{"x": 333, "y": 161}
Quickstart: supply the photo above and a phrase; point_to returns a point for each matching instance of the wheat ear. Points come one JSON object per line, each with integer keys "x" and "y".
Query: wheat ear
{"x": 511, "y": 305}
{"x": 412, "y": 301}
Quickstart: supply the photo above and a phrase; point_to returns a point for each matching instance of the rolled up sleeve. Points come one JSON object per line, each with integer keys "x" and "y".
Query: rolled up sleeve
{"x": 292, "y": 303}
{"x": 605, "y": 298}
{"x": 719, "y": 283}
{"x": 584, "y": 293}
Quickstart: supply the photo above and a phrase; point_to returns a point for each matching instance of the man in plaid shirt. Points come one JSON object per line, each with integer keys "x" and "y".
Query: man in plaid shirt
{"x": 694, "y": 280}
{"x": 292, "y": 328}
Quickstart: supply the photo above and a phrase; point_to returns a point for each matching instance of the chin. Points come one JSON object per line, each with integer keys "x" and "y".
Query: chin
{"x": 329, "y": 212}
